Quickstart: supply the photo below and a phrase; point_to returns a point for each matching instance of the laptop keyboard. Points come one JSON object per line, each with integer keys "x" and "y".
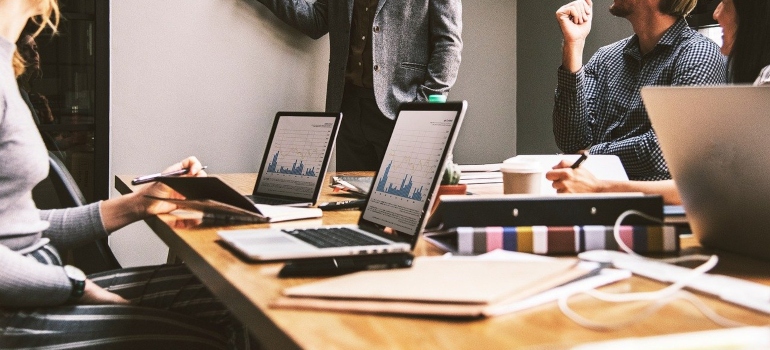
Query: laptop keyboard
{"x": 334, "y": 237}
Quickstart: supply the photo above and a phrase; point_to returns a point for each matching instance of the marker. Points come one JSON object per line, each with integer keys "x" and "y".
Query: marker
{"x": 356, "y": 203}
{"x": 583, "y": 157}
{"x": 154, "y": 177}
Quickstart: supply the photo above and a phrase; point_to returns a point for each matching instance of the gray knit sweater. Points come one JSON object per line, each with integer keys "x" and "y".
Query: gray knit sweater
{"x": 23, "y": 163}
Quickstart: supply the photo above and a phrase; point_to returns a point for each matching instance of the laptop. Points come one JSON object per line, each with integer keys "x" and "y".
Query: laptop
{"x": 714, "y": 140}
{"x": 296, "y": 158}
{"x": 399, "y": 201}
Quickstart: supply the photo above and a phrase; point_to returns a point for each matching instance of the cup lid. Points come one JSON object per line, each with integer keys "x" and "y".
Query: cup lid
{"x": 521, "y": 166}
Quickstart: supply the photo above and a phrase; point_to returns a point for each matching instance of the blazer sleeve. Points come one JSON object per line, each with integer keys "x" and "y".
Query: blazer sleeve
{"x": 309, "y": 18}
{"x": 446, "y": 46}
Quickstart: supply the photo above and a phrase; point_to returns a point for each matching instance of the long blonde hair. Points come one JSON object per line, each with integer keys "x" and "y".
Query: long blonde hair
{"x": 48, "y": 18}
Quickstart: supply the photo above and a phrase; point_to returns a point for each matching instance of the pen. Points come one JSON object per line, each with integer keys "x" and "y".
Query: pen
{"x": 355, "y": 203}
{"x": 344, "y": 183}
{"x": 153, "y": 177}
{"x": 583, "y": 157}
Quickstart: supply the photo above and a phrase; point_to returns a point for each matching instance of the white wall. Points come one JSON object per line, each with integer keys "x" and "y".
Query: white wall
{"x": 487, "y": 80}
{"x": 205, "y": 77}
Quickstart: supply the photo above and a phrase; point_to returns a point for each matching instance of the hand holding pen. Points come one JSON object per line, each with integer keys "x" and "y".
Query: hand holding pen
{"x": 190, "y": 166}
{"x": 154, "y": 177}
{"x": 583, "y": 157}
{"x": 569, "y": 177}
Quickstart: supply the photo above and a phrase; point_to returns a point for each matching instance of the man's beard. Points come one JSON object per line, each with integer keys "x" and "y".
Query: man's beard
{"x": 620, "y": 10}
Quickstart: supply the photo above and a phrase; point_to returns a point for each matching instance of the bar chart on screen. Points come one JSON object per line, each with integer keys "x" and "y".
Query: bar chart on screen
{"x": 296, "y": 156}
{"x": 409, "y": 168}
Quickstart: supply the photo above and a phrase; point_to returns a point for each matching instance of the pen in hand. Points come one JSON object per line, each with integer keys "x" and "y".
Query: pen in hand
{"x": 583, "y": 157}
{"x": 153, "y": 177}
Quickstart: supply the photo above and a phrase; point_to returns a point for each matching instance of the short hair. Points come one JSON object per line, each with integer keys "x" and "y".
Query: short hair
{"x": 751, "y": 49}
{"x": 677, "y": 8}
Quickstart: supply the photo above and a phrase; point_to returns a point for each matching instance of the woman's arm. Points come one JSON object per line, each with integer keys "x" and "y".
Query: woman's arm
{"x": 127, "y": 209}
{"x": 567, "y": 180}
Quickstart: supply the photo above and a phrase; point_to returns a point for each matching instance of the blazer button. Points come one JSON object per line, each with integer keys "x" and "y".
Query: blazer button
{"x": 376, "y": 29}
{"x": 376, "y": 68}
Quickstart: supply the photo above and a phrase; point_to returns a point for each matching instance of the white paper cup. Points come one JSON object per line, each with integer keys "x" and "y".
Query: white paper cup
{"x": 521, "y": 177}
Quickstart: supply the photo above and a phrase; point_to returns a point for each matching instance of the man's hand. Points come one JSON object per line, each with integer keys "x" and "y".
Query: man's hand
{"x": 575, "y": 20}
{"x": 568, "y": 180}
{"x": 95, "y": 295}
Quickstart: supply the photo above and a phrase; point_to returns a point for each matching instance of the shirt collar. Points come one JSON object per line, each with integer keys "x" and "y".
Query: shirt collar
{"x": 670, "y": 38}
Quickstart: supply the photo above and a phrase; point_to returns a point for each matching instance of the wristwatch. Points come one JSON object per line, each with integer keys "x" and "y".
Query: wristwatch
{"x": 78, "y": 280}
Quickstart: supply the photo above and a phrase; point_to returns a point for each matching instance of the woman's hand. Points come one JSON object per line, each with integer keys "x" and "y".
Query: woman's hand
{"x": 121, "y": 211}
{"x": 568, "y": 180}
{"x": 157, "y": 189}
{"x": 95, "y": 295}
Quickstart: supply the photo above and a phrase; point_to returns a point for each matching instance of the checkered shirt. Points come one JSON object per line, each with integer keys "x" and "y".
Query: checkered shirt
{"x": 764, "y": 77}
{"x": 600, "y": 108}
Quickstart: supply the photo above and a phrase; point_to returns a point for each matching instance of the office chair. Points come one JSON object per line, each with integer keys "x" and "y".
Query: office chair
{"x": 60, "y": 190}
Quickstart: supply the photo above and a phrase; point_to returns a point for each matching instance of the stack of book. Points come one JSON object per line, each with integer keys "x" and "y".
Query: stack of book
{"x": 481, "y": 174}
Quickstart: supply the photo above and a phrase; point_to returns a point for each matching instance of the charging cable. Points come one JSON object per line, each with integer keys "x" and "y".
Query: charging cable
{"x": 656, "y": 299}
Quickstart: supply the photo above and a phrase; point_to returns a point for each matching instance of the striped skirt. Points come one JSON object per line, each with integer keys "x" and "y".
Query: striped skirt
{"x": 170, "y": 309}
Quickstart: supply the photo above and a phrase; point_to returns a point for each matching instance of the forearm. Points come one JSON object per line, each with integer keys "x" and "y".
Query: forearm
{"x": 641, "y": 156}
{"x": 124, "y": 210}
{"x": 572, "y": 55}
{"x": 665, "y": 188}
{"x": 571, "y": 112}
{"x": 309, "y": 18}
{"x": 446, "y": 52}
{"x": 72, "y": 227}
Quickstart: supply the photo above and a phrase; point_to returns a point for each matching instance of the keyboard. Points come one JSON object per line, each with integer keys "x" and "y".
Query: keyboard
{"x": 334, "y": 237}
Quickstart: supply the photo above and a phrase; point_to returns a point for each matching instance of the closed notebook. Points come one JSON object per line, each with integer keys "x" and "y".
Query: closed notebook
{"x": 555, "y": 240}
{"x": 434, "y": 287}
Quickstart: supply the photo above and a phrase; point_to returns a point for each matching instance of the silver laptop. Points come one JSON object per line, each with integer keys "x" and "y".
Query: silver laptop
{"x": 400, "y": 197}
{"x": 296, "y": 158}
{"x": 715, "y": 141}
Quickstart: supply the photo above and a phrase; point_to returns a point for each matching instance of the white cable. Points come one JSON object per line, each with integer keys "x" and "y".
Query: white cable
{"x": 658, "y": 298}
{"x": 647, "y": 312}
{"x": 662, "y": 293}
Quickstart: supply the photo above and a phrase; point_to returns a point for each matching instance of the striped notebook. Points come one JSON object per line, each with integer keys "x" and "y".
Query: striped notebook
{"x": 555, "y": 240}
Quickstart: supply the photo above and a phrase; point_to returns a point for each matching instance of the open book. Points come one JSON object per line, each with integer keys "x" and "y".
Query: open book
{"x": 435, "y": 287}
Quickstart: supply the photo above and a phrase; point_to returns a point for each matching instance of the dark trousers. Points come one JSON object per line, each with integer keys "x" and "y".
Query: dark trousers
{"x": 170, "y": 309}
{"x": 364, "y": 133}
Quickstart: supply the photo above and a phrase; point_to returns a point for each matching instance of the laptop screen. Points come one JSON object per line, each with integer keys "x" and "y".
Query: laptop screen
{"x": 297, "y": 155}
{"x": 401, "y": 191}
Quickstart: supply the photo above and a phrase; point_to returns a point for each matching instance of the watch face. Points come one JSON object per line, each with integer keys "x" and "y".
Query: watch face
{"x": 74, "y": 273}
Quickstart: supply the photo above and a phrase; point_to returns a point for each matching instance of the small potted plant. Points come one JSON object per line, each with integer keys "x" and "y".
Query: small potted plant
{"x": 450, "y": 183}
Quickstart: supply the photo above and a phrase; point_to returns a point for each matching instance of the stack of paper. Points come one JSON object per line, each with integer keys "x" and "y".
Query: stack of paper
{"x": 456, "y": 287}
{"x": 481, "y": 174}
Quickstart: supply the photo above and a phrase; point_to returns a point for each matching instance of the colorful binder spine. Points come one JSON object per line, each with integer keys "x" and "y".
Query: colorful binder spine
{"x": 554, "y": 240}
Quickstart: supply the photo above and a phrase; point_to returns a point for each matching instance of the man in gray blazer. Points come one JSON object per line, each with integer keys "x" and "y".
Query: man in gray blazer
{"x": 383, "y": 53}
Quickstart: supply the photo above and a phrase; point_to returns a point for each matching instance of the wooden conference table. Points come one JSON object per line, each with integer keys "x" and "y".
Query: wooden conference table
{"x": 248, "y": 288}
